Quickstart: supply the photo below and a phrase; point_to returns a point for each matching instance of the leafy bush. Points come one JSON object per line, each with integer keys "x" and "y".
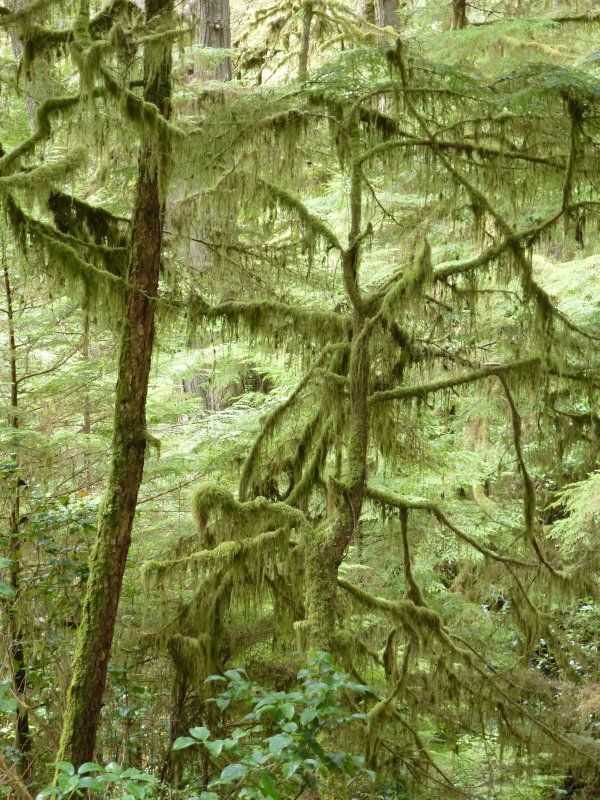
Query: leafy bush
{"x": 281, "y": 744}
{"x": 279, "y": 748}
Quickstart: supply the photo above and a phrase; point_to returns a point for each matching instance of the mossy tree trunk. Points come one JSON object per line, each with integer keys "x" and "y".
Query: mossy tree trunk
{"x": 367, "y": 10}
{"x": 16, "y": 635}
{"x": 326, "y": 551}
{"x": 307, "y": 18}
{"x": 107, "y": 564}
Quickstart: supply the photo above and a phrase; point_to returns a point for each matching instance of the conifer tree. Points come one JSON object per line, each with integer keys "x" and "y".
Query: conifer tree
{"x": 459, "y": 142}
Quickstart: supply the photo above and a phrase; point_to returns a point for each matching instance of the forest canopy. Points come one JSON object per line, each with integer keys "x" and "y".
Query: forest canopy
{"x": 299, "y": 468}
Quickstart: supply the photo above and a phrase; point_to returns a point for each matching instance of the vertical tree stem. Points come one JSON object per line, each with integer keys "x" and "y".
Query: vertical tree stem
{"x": 107, "y": 563}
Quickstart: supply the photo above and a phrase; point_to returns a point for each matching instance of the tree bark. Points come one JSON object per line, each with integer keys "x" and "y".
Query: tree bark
{"x": 17, "y": 638}
{"x": 387, "y": 14}
{"x": 368, "y": 11}
{"x": 459, "y": 14}
{"x": 307, "y": 18}
{"x": 107, "y": 563}
{"x": 215, "y": 27}
{"x": 326, "y": 551}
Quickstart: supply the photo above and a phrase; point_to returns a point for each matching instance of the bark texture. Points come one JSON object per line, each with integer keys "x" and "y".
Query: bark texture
{"x": 459, "y": 14}
{"x": 387, "y": 14}
{"x": 107, "y": 564}
{"x": 367, "y": 10}
{"x": 327, "y": 549}
{"x": 215, "y": 27}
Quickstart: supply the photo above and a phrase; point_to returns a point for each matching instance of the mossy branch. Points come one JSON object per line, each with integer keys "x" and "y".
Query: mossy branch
{"x": 417, "y": 620}
{"x": 421, "y": 390}
{"x": 529, "y": 496}
{"x": 42, "y": 130}
{"x": 274, "y": 416}
{"x": 391, "y": 500}
{"x": 271, "y": 317}
{"x": 309, "y": 476}
{"x": 293, "y": 203}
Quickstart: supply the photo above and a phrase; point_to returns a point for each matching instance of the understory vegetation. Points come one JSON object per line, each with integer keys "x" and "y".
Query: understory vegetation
{"x": 299, "y": 469}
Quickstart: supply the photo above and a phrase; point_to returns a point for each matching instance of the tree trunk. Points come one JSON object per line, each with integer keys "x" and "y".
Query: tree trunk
{"x": 326, "y": 551}
{"x": 387, "y": 14}
{"x": 107, "y": 563}
{"x": 86, "y": 427}
{"x": 215, "y": 30}
{"x": 368, "y": 11}
{"x": 307, "y": 18}
{"x": 17, "y": 638}
{"x": 459, "y": 14}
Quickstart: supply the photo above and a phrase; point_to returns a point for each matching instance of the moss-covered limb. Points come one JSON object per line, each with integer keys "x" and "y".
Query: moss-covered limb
{"x": 410, "y": 140}
{"x": 480, "y": 200}
{"x": 145, "y": 115}
{"x": 213, "y": 501}
{"x": 412, "y": 589}
{"x": 447, "y": 269}
{"x": 578, "y": 374}
{"x": 312, "y": 223}
{"x": 304, "y": 486}
{"x": 494, "y": 679}
{"x": 559, "y": 19}
{"x": 271, "y": 420}
{"x": 37, "y": 181}
{"x": 325, "y": 549}
{"x": 11, "y": 17}
{"x": 271, "y": 317}
{"x": 529, "y": 495}
{"x": 72, "y": 214}
{"x": 548, "y": 307}
{"x": 421, "y": 390}
{"x": 64, "y": 257}
{"x": 392, "y": 500}
{"x": 416, "y": 620}
{"x": 42, "y": 130}
{"x": 351, "y": 255}
{"x": 103, "y": 20}
{"x": 39, "y": 39}
{"x": 407, "y": 285}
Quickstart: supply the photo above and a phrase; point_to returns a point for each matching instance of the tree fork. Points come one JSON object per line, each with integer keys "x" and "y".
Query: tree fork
{"x": 107, "y": 563}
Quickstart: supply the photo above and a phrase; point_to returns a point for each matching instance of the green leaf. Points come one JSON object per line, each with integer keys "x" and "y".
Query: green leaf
{"x": 6, "y": 591}
{"x": 65, "y": 768}
{"x": 91, "y": 782}
{"x": 290, "y": 768}
{"x": 279, "y": 742}
{"x": 308, "y": 715}
{"x": 201, "y": 734}
{"x": 89, "y": 766}
{"x": 215, "y": 748}
{"x": 233, "y": 772}
{"x": 268, "y": 785}
{"x": 183, "y": 741}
